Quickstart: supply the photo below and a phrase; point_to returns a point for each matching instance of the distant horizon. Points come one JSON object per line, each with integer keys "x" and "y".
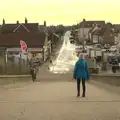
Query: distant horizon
{"x": 41, "y": 23}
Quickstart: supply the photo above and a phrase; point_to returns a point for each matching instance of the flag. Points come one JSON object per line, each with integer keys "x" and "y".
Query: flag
{"x": 23, "y": 46}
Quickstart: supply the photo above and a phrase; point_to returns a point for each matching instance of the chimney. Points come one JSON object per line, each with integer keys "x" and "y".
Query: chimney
{"x": 26, "y": 21}
{"x": 44, "y": 23}
{"x": 17, "y": 22}
{"x": 3, "y": 21}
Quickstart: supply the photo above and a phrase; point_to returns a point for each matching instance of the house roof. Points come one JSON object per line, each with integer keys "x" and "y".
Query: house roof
{"x": 116, "y": 25}
{"x": 9, "y": 28}
{"x": 13, "y": 39}
{"x": 116, "y": 28}
{"x": 102, "y": 30}
{"x": 43, "y": 28}
{"x": 32, "y": 27}
{"x": 96, "y": 31}
{"x": 89, "y": 24}
{"x": 53, "y": 37}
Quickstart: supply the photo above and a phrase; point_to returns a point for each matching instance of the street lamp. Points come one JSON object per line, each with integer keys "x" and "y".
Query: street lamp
{"x": 83, "y": 34}
{"x": 98, "y": 37}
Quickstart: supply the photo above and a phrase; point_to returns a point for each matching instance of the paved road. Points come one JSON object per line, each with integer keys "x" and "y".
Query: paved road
{"x": 57, "y": 101}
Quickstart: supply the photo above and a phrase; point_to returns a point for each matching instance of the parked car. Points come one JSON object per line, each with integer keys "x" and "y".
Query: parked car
{"x": 81, "y": 49}
{"x": 98, "y": 46}
{"x": 89, "y": 47}
{"x": 106, "y": 46}
{"x": 112, "y": 59}
{"x": 113, "y": 49}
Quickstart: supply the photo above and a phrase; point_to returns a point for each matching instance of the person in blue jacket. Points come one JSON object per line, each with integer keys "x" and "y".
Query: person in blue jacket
{"x": 81, "y": 73}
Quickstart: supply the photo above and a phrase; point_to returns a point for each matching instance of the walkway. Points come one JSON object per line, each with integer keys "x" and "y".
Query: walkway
{"x": 57, "y": 101}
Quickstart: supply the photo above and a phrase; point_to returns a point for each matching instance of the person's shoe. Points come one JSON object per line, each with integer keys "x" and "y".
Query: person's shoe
{"x": 78, "y": 94}
{"x": 83, "y": 95}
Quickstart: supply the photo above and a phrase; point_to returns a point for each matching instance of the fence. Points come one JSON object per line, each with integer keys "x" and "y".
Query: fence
{"x": 13, "y": 64}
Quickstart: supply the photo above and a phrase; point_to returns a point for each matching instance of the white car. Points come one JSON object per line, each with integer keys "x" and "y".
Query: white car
{"x": 113, "y": 48}
{"x": 98, "y": 46}
{"x": 89, "y": 47}
{"x": 79, "y": 48}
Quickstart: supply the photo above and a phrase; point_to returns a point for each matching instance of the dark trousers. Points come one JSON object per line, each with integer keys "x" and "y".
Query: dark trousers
{"x": 83, "y": 85}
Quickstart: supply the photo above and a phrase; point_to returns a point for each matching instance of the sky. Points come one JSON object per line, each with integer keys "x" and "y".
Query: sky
{"x": 54, "y": 12}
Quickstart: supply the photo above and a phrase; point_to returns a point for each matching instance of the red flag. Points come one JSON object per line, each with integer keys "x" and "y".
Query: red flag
{"x": 23, "y": 46}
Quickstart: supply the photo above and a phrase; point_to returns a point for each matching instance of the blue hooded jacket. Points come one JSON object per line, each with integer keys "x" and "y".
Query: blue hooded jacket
{"x": 81, "y": 70}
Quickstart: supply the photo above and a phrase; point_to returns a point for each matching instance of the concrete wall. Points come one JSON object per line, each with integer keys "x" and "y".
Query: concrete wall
{"x": 109, "y": 83}
{"x": 14, "y": 80}
{"x": 113, "y": 80}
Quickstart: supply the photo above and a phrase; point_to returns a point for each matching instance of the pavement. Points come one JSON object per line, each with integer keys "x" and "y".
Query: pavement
{"x": 57, "y": 101}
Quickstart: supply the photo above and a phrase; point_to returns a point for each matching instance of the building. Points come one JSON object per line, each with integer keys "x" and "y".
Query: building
{"x": 33, "y": 34}
{"x": 21, "y": 27}
{"x": 36, "y": 43}
{"x": 103, "y": 35}
{"x": 53, "y": 37}
{"x": 108, "y": 34}
{"x": 86, "y": 26}
{"x": 116, "y": 26}
{"x": 95, "y": 35}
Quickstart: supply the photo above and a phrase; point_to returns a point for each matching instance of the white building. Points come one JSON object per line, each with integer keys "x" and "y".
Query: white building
{"x": 85, "y": 27}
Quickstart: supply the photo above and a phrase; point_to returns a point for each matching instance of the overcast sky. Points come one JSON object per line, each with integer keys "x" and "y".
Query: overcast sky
{"x": 65, "y": 12}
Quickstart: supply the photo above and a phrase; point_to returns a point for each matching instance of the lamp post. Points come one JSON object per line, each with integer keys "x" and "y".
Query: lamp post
{"x": 98, "y": 38}
{"x": 83, "y": 36}
{"x": 83, "y": 32}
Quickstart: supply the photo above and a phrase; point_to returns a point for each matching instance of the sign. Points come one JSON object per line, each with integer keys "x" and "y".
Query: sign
{"x": 23, "y": 46}
{"x": 28, "y": 49}
{"x": 35, "y": 49}
{"x": 13, "y": 49}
